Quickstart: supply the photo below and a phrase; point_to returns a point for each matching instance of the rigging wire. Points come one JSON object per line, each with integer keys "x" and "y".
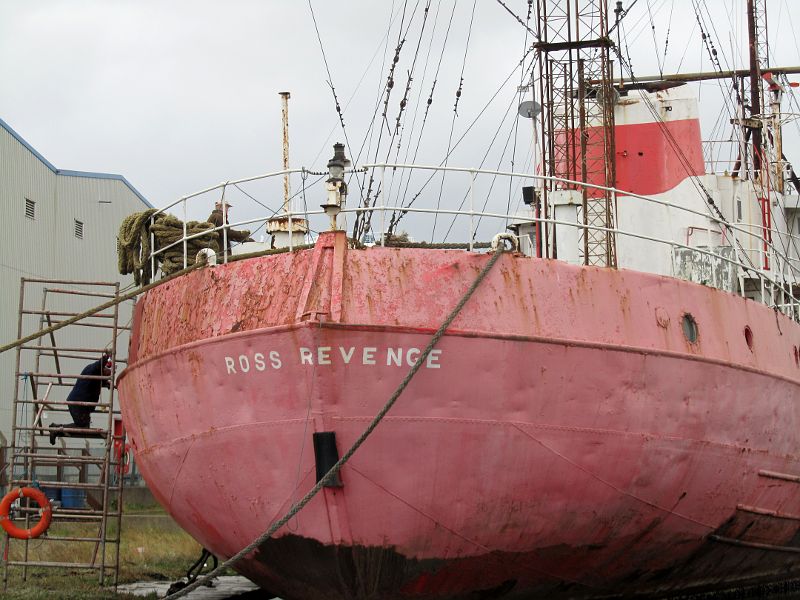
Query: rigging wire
{"x": 388, "y": 87}
{"x": 489, "y": 102}
{"x": 400, "y": 128}
{"x": 383, "y": 42}
{"x": 686, "y": 49}
{"x": 669, "y": 30}
{"x": 770, "y": 174}
{"x": 621, "y": 16}
{"x": 655, "y": 40}
{"x": 696, "y": 182}
{"x": 494, "y": 177}
{"x": 428, "y": 105}
{"x": 366, "y": 143}
{"x": 419, "y": 96}
{"x": 642, "y": 20}
{"x": 394, "y": 220}
{"x": 519, "y": 19}
{"x": 292, "y": 197}
{"x": 517, "y": 119}
{"x": 333, "y": 89}
{"x": 675, "y": 145}
{"x": 409, "y": 79}
{"x": 363, "y": 220}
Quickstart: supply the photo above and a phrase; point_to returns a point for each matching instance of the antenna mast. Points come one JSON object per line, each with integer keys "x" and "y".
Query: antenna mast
{"x": 764, "y": 125}
{"x": 755, "y": 34}
{"x": 575, "y": 76}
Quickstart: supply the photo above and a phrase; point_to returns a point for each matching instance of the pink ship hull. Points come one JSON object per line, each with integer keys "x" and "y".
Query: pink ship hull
{"x": 565, "y": 440}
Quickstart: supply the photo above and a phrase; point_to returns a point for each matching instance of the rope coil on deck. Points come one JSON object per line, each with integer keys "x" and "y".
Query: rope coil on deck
{"x": 133, "y": 243}
{"x": 334, "y": 470}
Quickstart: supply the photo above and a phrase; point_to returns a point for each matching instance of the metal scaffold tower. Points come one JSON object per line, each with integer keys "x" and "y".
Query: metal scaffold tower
{"x": 82, "y": 472}
{"x": 578, "y": 117}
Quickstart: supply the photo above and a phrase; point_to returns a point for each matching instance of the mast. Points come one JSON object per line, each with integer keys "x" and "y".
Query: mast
{"x": 287, "y": 190}
{"x": 764, "y": 126}
{"x": 287, "y": 230}
{"x": 578, "y": 115}
{"x": 755, "y": 85}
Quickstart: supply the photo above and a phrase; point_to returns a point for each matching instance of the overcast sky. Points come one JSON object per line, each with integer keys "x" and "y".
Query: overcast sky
{"x": 181, "y": 95}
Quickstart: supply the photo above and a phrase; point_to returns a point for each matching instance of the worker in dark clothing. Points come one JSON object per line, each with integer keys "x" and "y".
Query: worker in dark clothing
{"x": 217, "y": 219}
{"x": 84, "y": 390}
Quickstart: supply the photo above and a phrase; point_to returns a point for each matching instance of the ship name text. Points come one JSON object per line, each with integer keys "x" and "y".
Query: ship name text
{"x": 332, "y": 355}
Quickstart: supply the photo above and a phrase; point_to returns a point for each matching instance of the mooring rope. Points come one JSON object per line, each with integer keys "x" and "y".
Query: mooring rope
{"x": 133, "y": 243}
{"x": 297, "y": 507}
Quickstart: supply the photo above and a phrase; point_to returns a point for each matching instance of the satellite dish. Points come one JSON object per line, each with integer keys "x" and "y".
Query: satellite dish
{"x": 529, "y": 109}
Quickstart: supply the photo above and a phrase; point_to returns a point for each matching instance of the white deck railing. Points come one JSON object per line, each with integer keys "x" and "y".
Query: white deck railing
{"x": 751, "y": 252}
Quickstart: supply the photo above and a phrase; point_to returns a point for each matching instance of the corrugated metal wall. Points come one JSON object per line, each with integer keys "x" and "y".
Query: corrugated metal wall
{"x": 47, "y": 247}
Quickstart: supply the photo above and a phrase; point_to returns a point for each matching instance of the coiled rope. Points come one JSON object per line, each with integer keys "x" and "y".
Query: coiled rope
{"x": 298, "y": 506}
{"x": 133, "y": 243}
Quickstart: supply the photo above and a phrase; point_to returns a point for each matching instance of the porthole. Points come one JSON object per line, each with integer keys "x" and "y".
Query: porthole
{"x": 748, "y": 337}
{"x": 689, "y": 326}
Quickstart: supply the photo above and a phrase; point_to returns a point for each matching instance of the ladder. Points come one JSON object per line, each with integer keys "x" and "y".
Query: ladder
{"x": 83, "y": 472}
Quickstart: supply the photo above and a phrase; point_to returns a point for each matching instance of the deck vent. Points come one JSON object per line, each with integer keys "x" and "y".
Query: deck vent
{"x": 30, "y": 208}
{"x": 689, "y": 326}
{"x": 79, "y": 229}
{"x": 326, "y": 455}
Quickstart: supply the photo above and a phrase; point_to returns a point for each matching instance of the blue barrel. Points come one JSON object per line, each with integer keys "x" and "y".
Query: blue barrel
{"x": 53, "y": 494}
{"x": 73, "y": 498}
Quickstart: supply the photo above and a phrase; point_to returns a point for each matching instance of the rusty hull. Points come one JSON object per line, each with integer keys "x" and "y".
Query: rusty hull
{"x": 566, "y": 440}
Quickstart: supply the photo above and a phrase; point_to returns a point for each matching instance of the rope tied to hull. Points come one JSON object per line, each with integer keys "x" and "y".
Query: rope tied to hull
{"x": 334, "y": 470}
{"x": 134, "y": 243}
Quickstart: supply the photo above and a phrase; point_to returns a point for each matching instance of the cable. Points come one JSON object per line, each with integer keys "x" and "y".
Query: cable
{"x": 368, "y": 216}
{"x": 452, "y": 124}
{"x": 358, "y": 85}
{"x": 400, "y": 129}
{"x": 333, "y": 89}
{"x": 485, "y": 156}
{"x": 463, "y": 135}
{"x": 520, "y": 21}
{"x": 655, "y": 41}
{"x": 334, "y": 470}
{"x": 621, "y": 16}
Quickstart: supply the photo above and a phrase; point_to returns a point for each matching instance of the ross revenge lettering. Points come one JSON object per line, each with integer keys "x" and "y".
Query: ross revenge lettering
{"x": 368, "y": 355}
{"x": 324, "y": 356}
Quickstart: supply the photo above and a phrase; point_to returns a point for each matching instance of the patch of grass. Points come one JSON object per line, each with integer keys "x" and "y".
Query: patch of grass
{"x": 62, "y": 585}
{"x": 152, "y": 548}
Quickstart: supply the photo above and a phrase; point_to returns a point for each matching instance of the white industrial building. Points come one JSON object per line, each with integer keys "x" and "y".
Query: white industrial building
{"x": 59, "y": 225}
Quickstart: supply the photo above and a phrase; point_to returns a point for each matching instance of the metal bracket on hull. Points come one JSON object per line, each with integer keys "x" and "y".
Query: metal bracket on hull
{"x": 322, "y": 288}
{"x": 781, "y": 476}
{"x": 767, "y": 512}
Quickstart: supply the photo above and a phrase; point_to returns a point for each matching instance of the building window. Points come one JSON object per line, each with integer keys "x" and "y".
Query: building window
{"x": 79, "y": 229}
{"x": 30, "y": 208}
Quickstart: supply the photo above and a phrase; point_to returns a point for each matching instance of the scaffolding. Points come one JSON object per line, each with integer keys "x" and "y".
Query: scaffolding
{"x": 578, "y": 117}
{"x": 84, "y": 482}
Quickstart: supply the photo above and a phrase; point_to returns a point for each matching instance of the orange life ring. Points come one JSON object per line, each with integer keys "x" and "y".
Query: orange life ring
{"x": 45, "y": 510}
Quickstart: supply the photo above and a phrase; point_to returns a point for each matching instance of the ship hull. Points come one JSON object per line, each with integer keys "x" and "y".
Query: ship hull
{"x": 571, "y": 458}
